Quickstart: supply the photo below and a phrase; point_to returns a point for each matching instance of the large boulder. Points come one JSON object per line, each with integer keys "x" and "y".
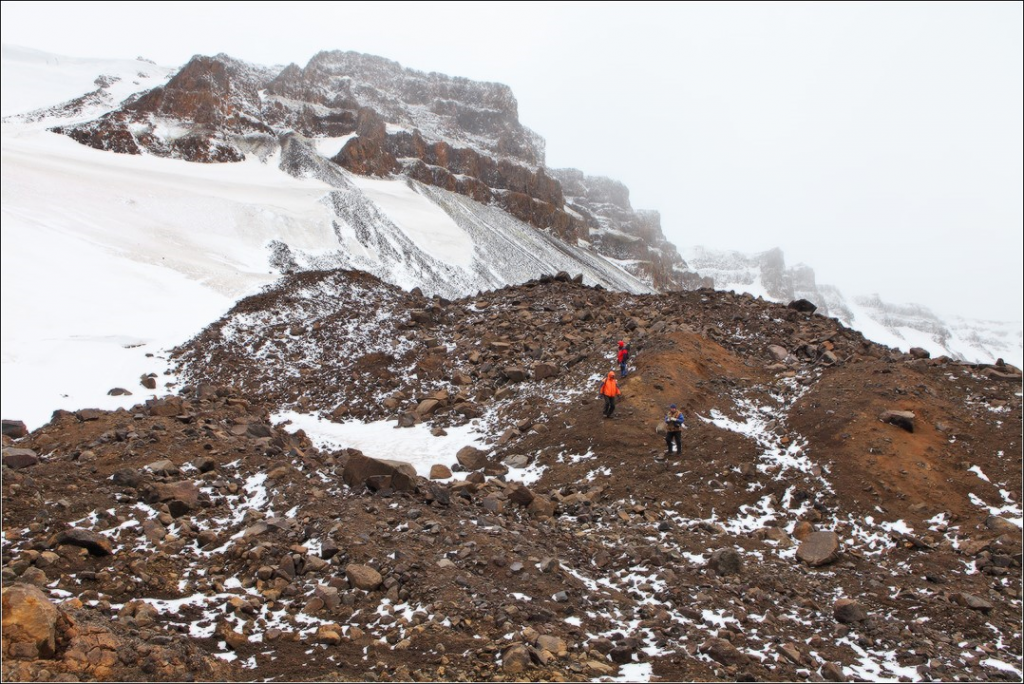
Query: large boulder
{"x": 819, "y": 548}
{"x": 19, "y": 458}
{"x": 363, "y": 577}
{"x": 725, "y": 562}
{"x": 544, "y": 370}
{"x": 180, "y": 497}
{"x": 515, "y": 373}
{"x": 167, "y": 407}
{"x": 848, "y": 611}
{"x": 803, "y": 306}
{"x": 472, "y": 458}
{"x": 15, "y": 429}
{"x": 362, "y": 470}
{"x": 95, "y": 543}
{"x": 901, "y": 419}
{"x": 29, "y": 623}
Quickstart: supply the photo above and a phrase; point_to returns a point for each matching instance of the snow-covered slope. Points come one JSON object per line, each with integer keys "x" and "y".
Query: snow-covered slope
{"x": 109, "y": 258}
{"x": 902, "y": 326}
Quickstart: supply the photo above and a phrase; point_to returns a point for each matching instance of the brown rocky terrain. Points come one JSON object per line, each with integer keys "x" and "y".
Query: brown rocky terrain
{"x": 841, "y": 510}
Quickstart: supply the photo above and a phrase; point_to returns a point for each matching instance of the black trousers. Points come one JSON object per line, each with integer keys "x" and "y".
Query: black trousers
{"x": 609, "y": 406}
{"x": 676, "y": 437}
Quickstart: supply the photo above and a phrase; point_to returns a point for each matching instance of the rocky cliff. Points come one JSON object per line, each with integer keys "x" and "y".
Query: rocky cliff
{"x": 374, "y": 117}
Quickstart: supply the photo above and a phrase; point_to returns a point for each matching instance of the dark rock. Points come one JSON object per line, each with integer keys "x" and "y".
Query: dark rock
{"x": 168, "y": 407}
{"x": 440, "y": 471}
{"x": 992, "y": 522}
{"x": 148, "y": 381}
{"x": 16, "y": 459}
{"x": 163, "y": 467}
{"x": 973, "y": 602}
{"x": 803, "y": 306}
{"x": 95, "y": 543}
{"x": 119, "y": 392}
{"x": 723, "y": 652}
{"x": 819, "y": 548}
{"x": 359, "y": 469}
{"x": 15, "y": 429}
{"x": 919, "y": 353}
{"x": 544, "y": 370}
{"x": 87, "y": 415}
{"x": 515, "y": 373}
{"x": 725, "y": 562}
{"x": 516, "y": 659}
{"x": 521, "y": 495}
{"x": 833, "y": 672}
{"x": 848, "y": 611}
{"x": 901, "y": 419}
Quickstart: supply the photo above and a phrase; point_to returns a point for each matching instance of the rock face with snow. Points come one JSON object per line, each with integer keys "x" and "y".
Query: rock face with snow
{"x": 385, "y": 120}
{"x": 902, "y": 325}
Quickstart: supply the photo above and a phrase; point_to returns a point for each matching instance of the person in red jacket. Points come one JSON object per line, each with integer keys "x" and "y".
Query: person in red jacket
{"x": 623, "y": 357}
{"x": 610, "y": 390}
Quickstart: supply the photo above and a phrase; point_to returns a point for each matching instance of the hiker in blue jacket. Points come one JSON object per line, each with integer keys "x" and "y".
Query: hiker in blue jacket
{"x": 674, "y": 426}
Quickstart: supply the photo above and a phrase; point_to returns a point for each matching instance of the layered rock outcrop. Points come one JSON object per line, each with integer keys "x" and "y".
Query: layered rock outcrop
{"x": 460, "y": 135}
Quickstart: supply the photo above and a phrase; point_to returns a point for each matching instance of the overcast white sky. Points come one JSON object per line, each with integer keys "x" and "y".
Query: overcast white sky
{"x": 879, "y": 143}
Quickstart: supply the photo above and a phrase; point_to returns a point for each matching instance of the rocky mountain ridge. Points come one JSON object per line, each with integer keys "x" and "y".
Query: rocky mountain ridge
{"x": 451, "y": 133}
{"x": 904, "y": 325}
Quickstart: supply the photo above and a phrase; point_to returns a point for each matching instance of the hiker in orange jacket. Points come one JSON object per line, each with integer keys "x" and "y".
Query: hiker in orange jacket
{"x": 610, "y": 390}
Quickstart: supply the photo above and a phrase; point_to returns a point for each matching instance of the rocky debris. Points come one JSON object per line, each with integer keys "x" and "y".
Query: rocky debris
{"x": 919, "y": 353}
{"x": 14, "y": 429}
{"x": 605, "y": 552}
{"x": 819, "y": 548}
{"x": 901, "y": 419}
{"x": 119, "y": 392}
